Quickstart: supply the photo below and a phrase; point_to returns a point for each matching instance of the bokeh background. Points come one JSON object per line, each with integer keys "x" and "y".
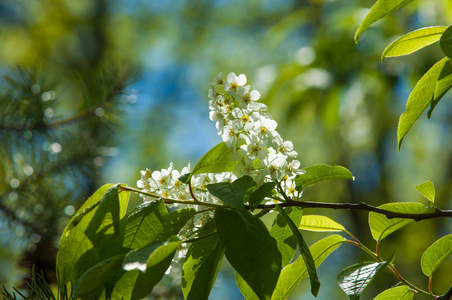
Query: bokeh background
{"x": 95, "y": 91}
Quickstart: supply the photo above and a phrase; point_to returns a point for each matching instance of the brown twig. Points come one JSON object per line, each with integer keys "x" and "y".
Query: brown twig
{"x": 363, "y": 206}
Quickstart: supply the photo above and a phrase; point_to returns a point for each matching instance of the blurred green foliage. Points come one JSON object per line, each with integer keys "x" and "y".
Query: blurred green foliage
{"x": 334, "y": 99}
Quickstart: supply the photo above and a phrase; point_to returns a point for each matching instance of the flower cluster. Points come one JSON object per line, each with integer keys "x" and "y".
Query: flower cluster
{"x": 245, "y": 127}
{"x": 257, "y": 147}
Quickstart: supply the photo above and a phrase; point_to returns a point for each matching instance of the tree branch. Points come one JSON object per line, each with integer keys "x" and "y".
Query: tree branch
{"x": 362, "y": 206}
{"x": 446, "y": 296}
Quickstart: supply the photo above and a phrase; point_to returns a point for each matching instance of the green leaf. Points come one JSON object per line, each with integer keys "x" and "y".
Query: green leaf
{"x": 354, "y": 279}
{"x": 316, "y": 173}
{"x": 446, "y": 42}
{"x": 381, "y": 227}
{"x": 232, "y": 194}
{"x": 285, "y": 239}
{"x": 260, "y": 193}
{"x": 175, "y": 220}
{"x": 135, "y": 284}
{"x": 419, "y": 99}
{"x": 414, "y": 41}
{"x": 219, "y": 159}
{"x": 143, "y": 224}
{"x": 97, "y": 275}
{"x": 443, "y": 85}
{"x": 202, "y": 263}
{"x": 319, "y": 223}
{"x": 244, "y": 288}
{"x": 305, "y": 253}
{"x": 427, "y": 189}
{"x": 294, "y": 273}
{"x": 397, "y": 293}
{"x": 150, "y": 255}
{"x": 436, "y": 254}
{"x": 250, "y": 249}
{"x": 380, "y": 9}
{"x": 104, "y": 225}
{"x": 73, "y": 242}
{"x": 185, "y": 178}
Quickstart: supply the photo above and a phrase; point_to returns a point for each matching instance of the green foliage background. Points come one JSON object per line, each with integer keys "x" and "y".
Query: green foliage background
{"x": 334, "y": 99}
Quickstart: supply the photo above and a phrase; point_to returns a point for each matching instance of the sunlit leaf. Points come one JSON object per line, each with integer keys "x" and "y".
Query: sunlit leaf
{"x": 150, "y": 255}
{"x": 446, "y": 42}
{"x": 305, "y": 253}
{"x": 443, "y": 85}
{"x": 216, "y": 160}
{"x": 414, "y": 41}
{"x": 73, "y": 242}
{"x": 250, "y": 249}
{"x": 104, "y": 225}
{"x": 354, "y": 279}
{"x": 397, "y": 293}
{"x": 436, "y": 254}
{"x": 202, "y": 263}
{"x": 420, "y": 98}
{"x": 143, "y": 224}
{"x": 380, "y": 9}
{"x": 294, "y": 273}
{"x": 232, "y": 194}
{"x": 285, "y": 239}
{"x": 316, "y": 173}
{"x": 427, "y": 189}
{"x": 136, "y": 284}
{"x": 319, "y": 223}
{"x": 244, "y": 288}
{"x": 381, "y": 227}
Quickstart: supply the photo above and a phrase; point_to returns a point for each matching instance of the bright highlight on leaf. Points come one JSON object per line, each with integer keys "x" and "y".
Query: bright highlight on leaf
{"x": 397, "y": 293}
{"x": 380, "y": 9}
{"x": 413, "y": 41}
{"x": 381, "y": 227}
{"x": 319, "y": 223}
{"x": 150, "y": 255}
{"x": 427, "y": 189}
{"x": 436, "y": 254}
{"x": 316, "y": 173}
{"x": 354, "y": 279}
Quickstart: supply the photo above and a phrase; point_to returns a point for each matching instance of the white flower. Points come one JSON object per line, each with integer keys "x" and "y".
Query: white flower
{"x": 247, "y": 97}
{"x": 218, "y": 79}
{"x": 162, "y": 179}
{"x": 285, "y": 147}
{"x": 255, "y": 148}
{"x": 231, "y": 133}
{"x": 233, "y": 82}
{"x": 276, "y": 164}
{"x": 265, "y": 128}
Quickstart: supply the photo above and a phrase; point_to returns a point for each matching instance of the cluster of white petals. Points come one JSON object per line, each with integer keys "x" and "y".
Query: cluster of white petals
{"x": 258, "y": 149}
{"x": 244, "y": 126}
